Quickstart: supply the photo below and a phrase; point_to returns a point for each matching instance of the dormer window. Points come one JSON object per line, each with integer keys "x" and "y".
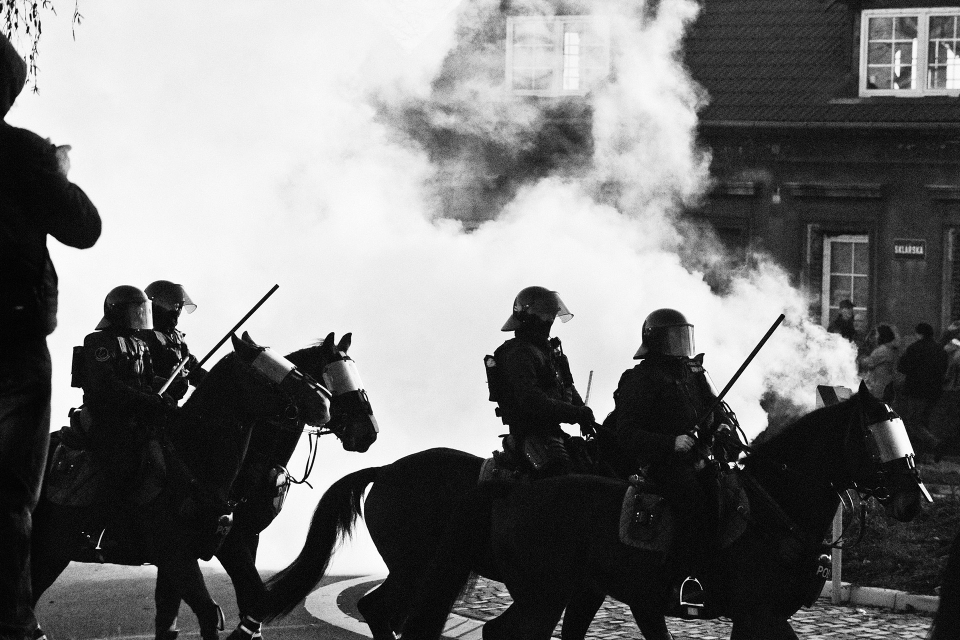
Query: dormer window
{"x": 910, "y": 52}
{"x": 556, "y": 55}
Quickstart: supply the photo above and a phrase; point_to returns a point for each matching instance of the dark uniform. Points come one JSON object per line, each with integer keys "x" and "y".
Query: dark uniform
{"x": 166, "y": 343}
{"x": 168, "y": 349}
{"x": 116, "y": 375}
{"x": 533, "y": 386}
{"x": 658, "y": 404}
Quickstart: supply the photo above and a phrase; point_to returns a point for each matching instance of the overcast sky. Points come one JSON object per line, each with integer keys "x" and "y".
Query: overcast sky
{"x": 231, "y": 146}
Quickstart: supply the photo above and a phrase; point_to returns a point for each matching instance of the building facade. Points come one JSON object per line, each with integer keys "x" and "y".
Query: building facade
{"x": 835, "y": 132}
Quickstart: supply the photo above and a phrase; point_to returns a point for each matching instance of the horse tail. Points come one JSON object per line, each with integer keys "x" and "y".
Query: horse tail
{"x": 465, "y": 540}
{"x": 334, "y": 518}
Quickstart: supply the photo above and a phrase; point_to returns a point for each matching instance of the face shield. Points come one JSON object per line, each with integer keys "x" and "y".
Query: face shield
{"x": 676, "y": 341}
{"x": 129, "y": 315}
{"x": 549, "y": 307}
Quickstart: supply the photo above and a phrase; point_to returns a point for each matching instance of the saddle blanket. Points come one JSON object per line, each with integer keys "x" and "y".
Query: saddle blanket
{"x": 647, "y": 521}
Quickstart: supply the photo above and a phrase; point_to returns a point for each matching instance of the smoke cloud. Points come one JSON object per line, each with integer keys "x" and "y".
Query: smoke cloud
{"x": 310, "y": 148}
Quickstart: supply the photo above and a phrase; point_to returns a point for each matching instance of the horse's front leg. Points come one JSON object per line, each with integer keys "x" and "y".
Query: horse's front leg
{"x": 166, "y": 597}
{"x": 238, "y": 555}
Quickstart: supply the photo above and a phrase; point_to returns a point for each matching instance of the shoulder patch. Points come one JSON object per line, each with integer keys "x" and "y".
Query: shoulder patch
{"x": 101, "y": 354}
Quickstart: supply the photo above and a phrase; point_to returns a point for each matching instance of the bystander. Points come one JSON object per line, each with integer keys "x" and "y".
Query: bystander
{"x": 923, "y": 366}
{"x": 36, "y": 199}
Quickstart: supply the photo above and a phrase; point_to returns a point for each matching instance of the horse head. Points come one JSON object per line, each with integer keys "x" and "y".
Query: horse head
{"x": 351, "y": 415}
{"x": 305, "y": 399}
{"x": 881, "y": 458}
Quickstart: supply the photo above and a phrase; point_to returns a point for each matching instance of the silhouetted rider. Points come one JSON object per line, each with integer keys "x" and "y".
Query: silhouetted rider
{"x": 166, "y": 343}
{"x": 533, "y": 386}
{"x": 658, "y": 403}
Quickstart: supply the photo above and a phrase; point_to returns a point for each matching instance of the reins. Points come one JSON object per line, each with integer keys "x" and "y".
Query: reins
{"x": 793, "y": 529}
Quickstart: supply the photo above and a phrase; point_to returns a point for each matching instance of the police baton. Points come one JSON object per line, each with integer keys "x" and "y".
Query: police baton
{"x": 183, "y": 363}
{"x": 719, "y": 398}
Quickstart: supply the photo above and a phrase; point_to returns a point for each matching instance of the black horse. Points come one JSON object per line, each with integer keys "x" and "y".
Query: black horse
{"x": 551, "y": 539}
{"x": 210, "y": 435}
{"x": 946, "y": 624}
{"x": 412, "y": 499}
{"x": 272, "y": 443}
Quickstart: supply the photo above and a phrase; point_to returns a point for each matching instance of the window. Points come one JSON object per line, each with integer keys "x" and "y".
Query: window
{"x": 846, "y": 275}
{"x": 556, "y": 55}
{"x": 910, "y": 52}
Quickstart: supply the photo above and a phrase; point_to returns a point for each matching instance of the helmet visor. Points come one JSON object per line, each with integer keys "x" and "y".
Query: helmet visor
{"x": 136, "y": 316}
{"x": 549, "y": 307}
{"x": 677, "y": 341}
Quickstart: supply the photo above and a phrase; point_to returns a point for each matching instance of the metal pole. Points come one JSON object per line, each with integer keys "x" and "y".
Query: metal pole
{"x": 180, "y": 366}
{"x": 837, "y": 559}
{"x": 719, "y": 399}
{"x": 237, "y": 326}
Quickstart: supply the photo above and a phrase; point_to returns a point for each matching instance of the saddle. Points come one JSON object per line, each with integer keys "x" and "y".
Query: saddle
{"x": 75, "y": 478}
{"x": 647, "y": 521}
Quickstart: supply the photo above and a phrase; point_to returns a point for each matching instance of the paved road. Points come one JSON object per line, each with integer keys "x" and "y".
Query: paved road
{"x": 97, "y": 602}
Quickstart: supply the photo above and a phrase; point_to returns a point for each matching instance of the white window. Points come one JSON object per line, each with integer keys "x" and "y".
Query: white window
{"x": 556, "y": 55}
{"x": 910, "y": 52}
{"x": 846, "y": 275}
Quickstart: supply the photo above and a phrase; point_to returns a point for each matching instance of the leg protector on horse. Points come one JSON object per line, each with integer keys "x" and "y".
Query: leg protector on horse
{"x": 248, "y": 629}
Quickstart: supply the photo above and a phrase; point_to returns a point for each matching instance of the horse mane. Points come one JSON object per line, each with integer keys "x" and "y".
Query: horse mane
{"x": 810, "y": 425}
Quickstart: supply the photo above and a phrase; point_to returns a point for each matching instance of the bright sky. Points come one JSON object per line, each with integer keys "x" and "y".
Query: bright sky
{"x": 231, "y": 146}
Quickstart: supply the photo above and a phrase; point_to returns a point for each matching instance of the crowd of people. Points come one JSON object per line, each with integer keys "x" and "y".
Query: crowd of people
{"x": 918, "y": 375}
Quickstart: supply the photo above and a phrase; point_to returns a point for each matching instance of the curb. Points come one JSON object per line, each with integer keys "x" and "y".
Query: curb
{"x": 901, "y": 601}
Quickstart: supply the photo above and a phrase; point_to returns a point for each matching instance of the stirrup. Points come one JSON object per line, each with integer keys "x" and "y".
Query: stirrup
{"x": 692, "y": 598}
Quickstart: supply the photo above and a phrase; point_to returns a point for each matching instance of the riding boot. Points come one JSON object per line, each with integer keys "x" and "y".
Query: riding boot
{"x": 167, "y": 634}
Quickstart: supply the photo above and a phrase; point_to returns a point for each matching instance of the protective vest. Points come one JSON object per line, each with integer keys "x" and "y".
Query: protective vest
{"x": 115, "y": 371}
{"x": 531, "y": 384}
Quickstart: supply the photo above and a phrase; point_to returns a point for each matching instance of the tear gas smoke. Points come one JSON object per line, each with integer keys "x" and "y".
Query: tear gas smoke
{"x": 271, "y": 154}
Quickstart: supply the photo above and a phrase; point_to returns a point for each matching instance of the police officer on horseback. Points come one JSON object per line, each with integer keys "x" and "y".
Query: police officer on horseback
{"x": 659, "y": 403}
{"x": 166, "y": 343}
{"x": 531, "y": 382}
{"x": 122, "y": 411}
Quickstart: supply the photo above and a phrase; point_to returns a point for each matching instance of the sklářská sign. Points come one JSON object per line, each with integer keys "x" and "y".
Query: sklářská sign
{"x": 910, "y": 249}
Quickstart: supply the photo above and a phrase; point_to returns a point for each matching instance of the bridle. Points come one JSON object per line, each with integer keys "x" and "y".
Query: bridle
{"x": 889, "y": 453}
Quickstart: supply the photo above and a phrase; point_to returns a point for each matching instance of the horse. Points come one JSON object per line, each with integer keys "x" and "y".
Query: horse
{"x": 552, "y": 538}
{"x": 946, "y": 622}
{"x": 208, "y": 439}
{"x": 272, "y": 443}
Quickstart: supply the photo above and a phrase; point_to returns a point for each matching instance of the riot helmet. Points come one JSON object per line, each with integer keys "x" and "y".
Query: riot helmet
{"x": 536, "y": 304}
{"x": 169, "y": 299}
{"x": 126, "y": 307}
{"x": 666, "y": 332}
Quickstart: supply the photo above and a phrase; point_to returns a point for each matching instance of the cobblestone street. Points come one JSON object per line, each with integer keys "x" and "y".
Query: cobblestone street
{"x": 823, "y": 620}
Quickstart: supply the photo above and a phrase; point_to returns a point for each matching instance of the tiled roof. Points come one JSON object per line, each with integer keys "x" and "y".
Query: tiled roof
{"x": 792, "y": 62}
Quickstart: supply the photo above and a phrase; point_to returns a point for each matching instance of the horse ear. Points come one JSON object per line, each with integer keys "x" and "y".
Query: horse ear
{"x": 242, "y": 347}
{"x": 328, "y": 341}
{"x": 246, "y": 338}
{"x": 344, "y": 344}
{"x": 863, "y": 389}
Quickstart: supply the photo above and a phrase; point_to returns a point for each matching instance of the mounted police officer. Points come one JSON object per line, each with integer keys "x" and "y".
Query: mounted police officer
{"x": 533, "y": 386}
{"x": 659, "y": 402}
{"x": 166, "y": 343}
{"x": 115, "y": 371}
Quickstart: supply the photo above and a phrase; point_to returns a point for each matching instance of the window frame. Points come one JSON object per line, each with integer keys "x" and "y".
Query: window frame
{"x": 826, "y": 289}
{"x": 923, "y": 15}
{"x": 599, "y": 24}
